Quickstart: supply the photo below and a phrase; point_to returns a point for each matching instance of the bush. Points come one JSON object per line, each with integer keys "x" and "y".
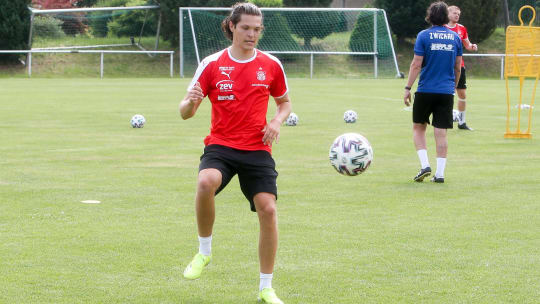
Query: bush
{"x": 47, "y": 26}
{"x": 130, "y": 24}
{"x": 362, "y": 36}
{"x": 313, "y": 25}
{"x": 479, "y": 17}
{"x": 14, "y": 28}
{"x": 267, "y": 3}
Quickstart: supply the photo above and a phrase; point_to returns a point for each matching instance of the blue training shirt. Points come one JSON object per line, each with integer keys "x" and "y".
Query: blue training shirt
{"x": 439, "y": 46}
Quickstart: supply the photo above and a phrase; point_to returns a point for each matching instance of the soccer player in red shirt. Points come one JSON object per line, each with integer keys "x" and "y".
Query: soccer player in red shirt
{"x": 238, "y": 81}
{"x": 453, "y": 14}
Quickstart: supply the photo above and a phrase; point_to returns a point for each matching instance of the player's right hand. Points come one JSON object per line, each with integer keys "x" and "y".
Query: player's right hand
{"x": 407, "y": 97}
{"x": 195, "y": 94}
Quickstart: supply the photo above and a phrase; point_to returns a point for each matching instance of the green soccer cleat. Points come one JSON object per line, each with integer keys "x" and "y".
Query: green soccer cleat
{"x": 194, "y": 269}
{"x": 268, "y": 295}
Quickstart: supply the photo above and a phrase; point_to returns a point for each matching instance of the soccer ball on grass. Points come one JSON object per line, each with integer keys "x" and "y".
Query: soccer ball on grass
{"x": 351, "y": 154}
{"x": 137, "y": 121}
{"x": 292, "y": 120}
{"x": 350, "y": 116}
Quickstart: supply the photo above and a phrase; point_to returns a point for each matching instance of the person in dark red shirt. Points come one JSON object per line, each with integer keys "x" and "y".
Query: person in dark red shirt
{"x": 453, "y": 15}
{"x": 239, "y": 81}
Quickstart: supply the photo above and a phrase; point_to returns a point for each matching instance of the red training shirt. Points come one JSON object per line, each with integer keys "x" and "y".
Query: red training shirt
{"x": 239, "y": 92}
{"x": 462, "y": 33}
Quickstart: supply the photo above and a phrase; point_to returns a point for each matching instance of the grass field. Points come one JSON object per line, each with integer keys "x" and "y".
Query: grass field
{"x": 374, "y": 238}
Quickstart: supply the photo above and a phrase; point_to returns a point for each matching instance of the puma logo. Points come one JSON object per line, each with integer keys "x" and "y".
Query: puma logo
{"x": 227, "y": 74}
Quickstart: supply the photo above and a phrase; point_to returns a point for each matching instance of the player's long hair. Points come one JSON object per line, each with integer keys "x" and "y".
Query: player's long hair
{"x": 437, "y": 13}
{"x": 238, "y": 10}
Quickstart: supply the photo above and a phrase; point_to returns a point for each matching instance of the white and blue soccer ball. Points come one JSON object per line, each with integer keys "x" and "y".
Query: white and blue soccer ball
{"x": 292, "y": 120}
{"x": 455, "y": 115}
{"x": 351, "y": 154}
{"x": 350, "y": 116}
{"x": 137, "y": 121}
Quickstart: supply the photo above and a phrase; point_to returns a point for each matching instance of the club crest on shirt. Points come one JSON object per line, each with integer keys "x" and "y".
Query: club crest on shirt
{"x": 261, "y": 75}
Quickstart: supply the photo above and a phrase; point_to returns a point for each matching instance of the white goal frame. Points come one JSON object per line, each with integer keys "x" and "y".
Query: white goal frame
{"x": 36, "y": 12}
{"x": 182, "y": 11}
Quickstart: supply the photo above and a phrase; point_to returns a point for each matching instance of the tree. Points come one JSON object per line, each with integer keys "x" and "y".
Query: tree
{"x": 313, "y": 25}
{"x": 479, "y": 17}
{"x": 406, "y": 17}
{"x": 14, "y": 28}
{"x": 169, "y": 14}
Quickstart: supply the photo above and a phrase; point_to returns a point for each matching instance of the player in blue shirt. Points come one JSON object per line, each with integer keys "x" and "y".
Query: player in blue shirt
{"x": 437, "y": 58}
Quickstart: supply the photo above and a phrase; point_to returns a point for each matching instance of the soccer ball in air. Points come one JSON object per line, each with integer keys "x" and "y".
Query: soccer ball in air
{"x": 350, "y": 154}
{"x": 292, "y": 120}
{"x": 137, "y": 121}
{"x": 455, "y": 115}
{"x": 350, "y": 116}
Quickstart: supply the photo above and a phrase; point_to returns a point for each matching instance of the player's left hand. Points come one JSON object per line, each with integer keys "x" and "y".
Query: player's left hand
{"x": 407, "y": 97}
{"x": 474, "y": 47}
{"x": 271, "y": 132}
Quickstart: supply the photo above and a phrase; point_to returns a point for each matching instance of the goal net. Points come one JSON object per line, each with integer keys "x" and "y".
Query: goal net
{"x": 104, "y": 27}
{"x": 310, "y": 42}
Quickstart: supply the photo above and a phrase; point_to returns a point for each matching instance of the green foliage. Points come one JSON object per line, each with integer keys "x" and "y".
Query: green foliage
{"x": 314, "y": 25}
{"x": 97, "y": 22}
{"x": 130, "y": 24}
{"x": 14, "y": 27}
{"x": 267, "y": 3}
{"x": 47, "y": 26}
{"x": 406, "y": 17}
{"x": 279, "y": 38}
{"x": 362, "y": 35}
{"x": 479, "y": 17}
{"x": 169, "y": 10}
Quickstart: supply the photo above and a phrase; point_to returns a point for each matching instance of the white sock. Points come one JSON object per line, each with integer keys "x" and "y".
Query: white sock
{"x": 205, "y": 245}
{"x": 266, "y": 281}
{"x": 422, "y": 155}
{"x": 441, "y": 164}
{"x": 461, "y": 116}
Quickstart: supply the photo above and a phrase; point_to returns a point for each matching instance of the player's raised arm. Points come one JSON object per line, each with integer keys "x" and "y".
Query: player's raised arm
{"x": 189, "y": 105}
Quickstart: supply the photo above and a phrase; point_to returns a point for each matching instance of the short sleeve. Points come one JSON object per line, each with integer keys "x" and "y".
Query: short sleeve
{"x": 459, "y": 46}
{"x": 279, "y": 86}
{"x": 465, "y": 34}
{"x": 202, "y": 76}
{"x": 419, "y": 45}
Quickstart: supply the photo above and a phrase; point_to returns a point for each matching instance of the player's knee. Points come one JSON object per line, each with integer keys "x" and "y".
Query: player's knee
{"x": 208, "y": 183}
{"x": 266, "y": 206}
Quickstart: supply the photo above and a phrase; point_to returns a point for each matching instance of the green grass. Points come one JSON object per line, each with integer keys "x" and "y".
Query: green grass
{"x": 374, "y": 238}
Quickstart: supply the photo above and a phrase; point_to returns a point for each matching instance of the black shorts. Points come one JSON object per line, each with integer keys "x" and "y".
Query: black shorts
{"x": 256, "y": 169}
{"x": 440, "y": 105}
{"x": 462, "y": 83}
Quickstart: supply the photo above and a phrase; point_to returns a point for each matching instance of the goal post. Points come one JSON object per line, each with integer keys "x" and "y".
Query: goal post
{"x": 98, "y": 27}
{"x": 325, "y": 42}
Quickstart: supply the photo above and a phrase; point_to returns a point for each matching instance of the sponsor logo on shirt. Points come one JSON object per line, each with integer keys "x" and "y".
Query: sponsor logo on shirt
{"x": 441, "y": 47}
{"x": 225, "y": 85}
{"x": 259, "y": 85}
{"x": 226, "y": 97}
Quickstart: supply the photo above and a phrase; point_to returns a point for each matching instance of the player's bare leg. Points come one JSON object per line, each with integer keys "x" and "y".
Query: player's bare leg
{"x": 265, "y": 204}
{"x": 419, "y": 138}
{"x": 208, "y": 182}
